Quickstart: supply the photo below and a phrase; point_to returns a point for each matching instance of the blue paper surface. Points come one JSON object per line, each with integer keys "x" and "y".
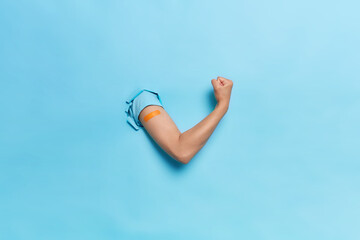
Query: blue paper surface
{"x": 282, "y": 164}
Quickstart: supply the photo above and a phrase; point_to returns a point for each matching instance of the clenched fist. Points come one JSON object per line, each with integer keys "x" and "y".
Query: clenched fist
{"x": 222, "y": 91}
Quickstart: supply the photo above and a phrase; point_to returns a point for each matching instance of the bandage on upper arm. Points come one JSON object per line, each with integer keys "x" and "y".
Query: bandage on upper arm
{"x": 151, "y": 115}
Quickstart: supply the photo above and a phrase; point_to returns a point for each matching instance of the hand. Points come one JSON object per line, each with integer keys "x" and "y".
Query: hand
{"x": 222, "y": 90}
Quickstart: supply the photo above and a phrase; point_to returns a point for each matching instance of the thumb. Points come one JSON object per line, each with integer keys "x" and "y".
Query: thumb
{"x": 215, "y": 83}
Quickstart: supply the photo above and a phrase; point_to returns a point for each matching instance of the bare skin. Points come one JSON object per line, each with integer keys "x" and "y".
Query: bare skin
{"x": 184, "y": 146}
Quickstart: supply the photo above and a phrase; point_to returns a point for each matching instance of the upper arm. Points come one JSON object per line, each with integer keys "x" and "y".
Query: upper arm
{"x": 161, "y": 128}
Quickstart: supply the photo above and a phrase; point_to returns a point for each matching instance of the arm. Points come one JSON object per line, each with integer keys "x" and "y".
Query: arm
{"x": 184, "y": 146}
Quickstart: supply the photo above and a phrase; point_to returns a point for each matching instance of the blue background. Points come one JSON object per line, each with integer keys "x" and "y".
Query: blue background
{"x": 282, "y": 164}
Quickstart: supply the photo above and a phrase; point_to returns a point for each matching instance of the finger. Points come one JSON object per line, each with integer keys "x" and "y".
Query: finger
{"x": 225, "y": 81}
{"x": 221, "y": 80}
{"x": 224, "y": 78}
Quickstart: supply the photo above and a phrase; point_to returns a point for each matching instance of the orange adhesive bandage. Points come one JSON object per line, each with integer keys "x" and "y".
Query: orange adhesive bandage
{"x": 151, "y": 115}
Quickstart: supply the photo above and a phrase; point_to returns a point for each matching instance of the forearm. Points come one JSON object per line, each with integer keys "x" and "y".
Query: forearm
{"x": 195, "y": 138}
{"x": 184, "y": 146}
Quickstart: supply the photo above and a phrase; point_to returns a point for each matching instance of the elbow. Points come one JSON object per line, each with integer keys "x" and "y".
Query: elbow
{"x": 183, "y": 157}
